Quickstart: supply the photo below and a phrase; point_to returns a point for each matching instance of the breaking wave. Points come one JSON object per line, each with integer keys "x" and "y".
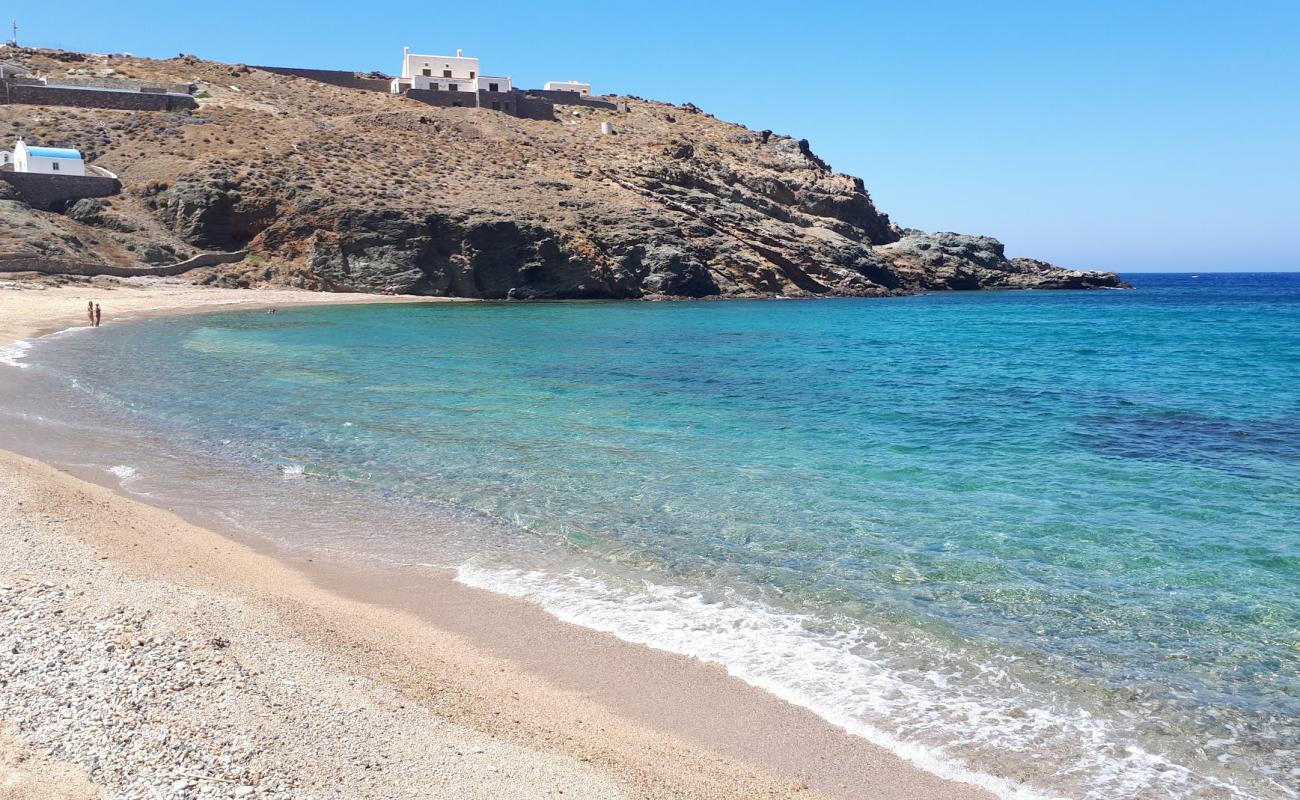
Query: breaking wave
{"x": 938, "y": 711}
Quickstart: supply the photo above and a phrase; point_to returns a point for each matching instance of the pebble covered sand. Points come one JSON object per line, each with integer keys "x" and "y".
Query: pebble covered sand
{"x": 153, "y": 690}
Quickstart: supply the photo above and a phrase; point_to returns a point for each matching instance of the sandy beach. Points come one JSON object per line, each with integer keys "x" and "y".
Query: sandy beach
{"x": 150, "y": 657}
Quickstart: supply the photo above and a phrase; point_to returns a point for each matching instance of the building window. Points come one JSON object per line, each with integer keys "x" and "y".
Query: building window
{"x": 446, "y": 73}
{"x": 55, "y": 166}
{"x": 471, "y": 74}
{"x": 428, "y": 73}
{"x": 453, "y": 87}
{"x": 492, "y": 87}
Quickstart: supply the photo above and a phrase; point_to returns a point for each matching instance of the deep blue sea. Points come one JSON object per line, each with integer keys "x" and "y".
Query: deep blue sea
{"x": 1048, "y": 541}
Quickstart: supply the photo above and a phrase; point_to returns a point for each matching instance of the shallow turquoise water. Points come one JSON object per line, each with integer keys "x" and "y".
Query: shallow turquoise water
{"x": 1045, "y": 537}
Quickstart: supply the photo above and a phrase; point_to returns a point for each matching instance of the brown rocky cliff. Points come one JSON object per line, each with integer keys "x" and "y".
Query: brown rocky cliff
{"x": 348, "y": 190}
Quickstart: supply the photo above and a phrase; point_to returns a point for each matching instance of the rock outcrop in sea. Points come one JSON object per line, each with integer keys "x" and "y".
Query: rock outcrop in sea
{"x": 349, "y": 190}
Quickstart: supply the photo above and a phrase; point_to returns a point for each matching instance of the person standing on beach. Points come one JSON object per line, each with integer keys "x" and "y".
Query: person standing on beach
{"x": 98, "y": 313}
{"x": 90, "y": 311}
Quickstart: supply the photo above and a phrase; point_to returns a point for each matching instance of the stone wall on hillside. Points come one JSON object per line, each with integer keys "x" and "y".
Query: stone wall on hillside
{"x": 43, "y": 191}
{"x": 334, "y": 77}
{"x": 529, "y": 107}
{"x": 571, "y": 99}
{"x": 514, "y": 102}
{"x": 39, "y": 95}
{"x": 504, "y": 102}
{"x": 443, "y": 99}
{"x": 32, "y": 262}
{"x": 108, "y": 82}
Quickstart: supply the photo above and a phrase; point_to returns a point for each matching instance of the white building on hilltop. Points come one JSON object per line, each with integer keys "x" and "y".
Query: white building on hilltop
{"x": 583, "y": 89}
{"x": 456, "y": 73}
{"x": 45, "y": 160}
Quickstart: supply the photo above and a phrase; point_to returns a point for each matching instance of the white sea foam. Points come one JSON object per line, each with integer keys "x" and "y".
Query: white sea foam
{"x": 127, "y": 477}
{"x": 12, "y": 354}
{"x": 917, "y": 708}
{"x": 66, "y": 331}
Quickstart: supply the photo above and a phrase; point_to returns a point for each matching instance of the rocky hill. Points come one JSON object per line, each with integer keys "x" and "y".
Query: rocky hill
{"x": 349, "y": 190}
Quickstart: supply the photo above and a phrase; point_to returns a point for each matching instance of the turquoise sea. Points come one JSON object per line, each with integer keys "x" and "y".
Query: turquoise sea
{"x": 1049, "y": 542}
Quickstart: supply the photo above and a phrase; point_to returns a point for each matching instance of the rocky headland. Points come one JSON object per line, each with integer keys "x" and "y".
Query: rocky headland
{"x": 348, "y": 190}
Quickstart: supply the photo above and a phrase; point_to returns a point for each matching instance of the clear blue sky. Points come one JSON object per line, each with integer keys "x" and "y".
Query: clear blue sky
{"x": 1134, "y": 136}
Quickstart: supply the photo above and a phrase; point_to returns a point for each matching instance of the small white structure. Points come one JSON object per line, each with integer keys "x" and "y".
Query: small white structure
{"x": 457, "y": 73}
{"x": 583, "y": 89}
{"x": 47, "y": 160}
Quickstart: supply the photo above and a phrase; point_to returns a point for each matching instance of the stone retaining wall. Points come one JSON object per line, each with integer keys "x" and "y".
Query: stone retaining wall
{"x": 514, "y": 102}
{"x": 31, "y": 262}
{"x": 443, "y": 99}
{"x": 334, "y": 77}
{"x": 122, "y": 84}
{"x": 44, "y": 191}
{"x": 529, "y": 107}
{"x": 506, "y": 101}
{"x": 571, "y": 99}
{"x": 40, "y": 95}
